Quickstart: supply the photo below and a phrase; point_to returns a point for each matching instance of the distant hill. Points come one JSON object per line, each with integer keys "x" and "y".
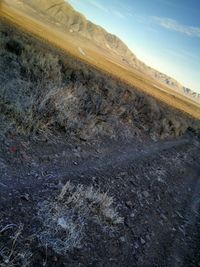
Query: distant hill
{"x": 69, "y": 19}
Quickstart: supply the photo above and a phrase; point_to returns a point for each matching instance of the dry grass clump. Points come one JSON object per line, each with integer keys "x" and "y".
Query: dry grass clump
{"x": 26, "y": 75}
{"x": 13, "y": 251}
{"x": 64, "y": 219}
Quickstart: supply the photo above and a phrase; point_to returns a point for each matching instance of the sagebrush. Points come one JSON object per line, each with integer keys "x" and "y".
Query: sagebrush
{"x": 42, "y": 88}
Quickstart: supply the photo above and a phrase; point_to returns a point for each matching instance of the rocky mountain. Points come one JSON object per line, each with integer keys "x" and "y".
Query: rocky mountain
{"x": 69, "y": 19}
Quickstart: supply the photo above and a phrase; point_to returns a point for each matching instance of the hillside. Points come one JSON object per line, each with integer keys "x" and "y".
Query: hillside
{"x": 93, "y": 171}
{"x": 72, "y": 21}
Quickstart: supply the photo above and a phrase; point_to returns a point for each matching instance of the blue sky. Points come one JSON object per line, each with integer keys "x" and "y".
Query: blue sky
{"x": 165, "y": 34}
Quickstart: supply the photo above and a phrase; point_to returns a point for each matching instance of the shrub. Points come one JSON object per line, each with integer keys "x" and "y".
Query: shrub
{"x": 42, "y": 88}
{"x": 64, "y": 218}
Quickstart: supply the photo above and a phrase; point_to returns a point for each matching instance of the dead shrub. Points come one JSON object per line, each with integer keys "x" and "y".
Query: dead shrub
{"x": 64, "y": 218}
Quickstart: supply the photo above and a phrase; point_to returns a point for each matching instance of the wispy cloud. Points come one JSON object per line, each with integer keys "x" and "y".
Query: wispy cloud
{"x": 176, "y": 4}
{"x": 130, "y": 14}
{"x": 174, "y": 25}
{"x": 98, "y": 5}
{"x": 118, "y": 14}
{"x": 151, "y": 29}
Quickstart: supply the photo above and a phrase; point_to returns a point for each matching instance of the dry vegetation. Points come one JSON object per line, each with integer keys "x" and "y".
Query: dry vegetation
{"x": 30, "y": 22}
{"x": 64, "y": 222}
{"x": 46, "y": 90}
{"x": 65, "y": 218}
{"x": 16, "y": 252}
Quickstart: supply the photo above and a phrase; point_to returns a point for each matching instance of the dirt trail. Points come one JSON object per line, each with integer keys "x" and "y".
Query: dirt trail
{"x": 119, "y": 157}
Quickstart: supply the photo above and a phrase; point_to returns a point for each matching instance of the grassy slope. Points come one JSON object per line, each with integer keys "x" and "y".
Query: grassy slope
{"x": 45, "y": 88}
{"x": 140, "y": 81}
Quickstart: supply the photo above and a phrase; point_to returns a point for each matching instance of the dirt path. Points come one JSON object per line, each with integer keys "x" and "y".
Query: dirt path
{"x": 119, "y": 157}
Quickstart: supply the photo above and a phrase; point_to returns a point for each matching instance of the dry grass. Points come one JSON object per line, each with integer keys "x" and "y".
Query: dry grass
{"x": 131, "y": 77}
{"x": 64, "y": 224}
{"x": 15, "y": 252}
{"x": 65, "y": 218}
{"x": 43, "y": 89}
{"x": 26, "y": 75}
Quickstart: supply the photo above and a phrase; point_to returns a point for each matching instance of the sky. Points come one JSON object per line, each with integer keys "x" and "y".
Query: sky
{"x": 165, "y": 34}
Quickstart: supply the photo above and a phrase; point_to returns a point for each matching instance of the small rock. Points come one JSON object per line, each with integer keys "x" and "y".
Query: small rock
{"x": 163, "y": 216}
{"x": 122, "y": 239}
{"x": 179, "y": 214}
{"x": 3, "y": 185}
{"x": 142, "y": 241}
{"x": 122, "y": 173}
{"x": 136, "y": 245}
{"x": 25, "y": 197}
{"x": 128, "y": 204}
{"x": 55, "y": 259}
{"x": 148, "y": 237}
{"x": 2, "y": 164}
{"x": 62, "y": 222}
{"x": 146, "y": 194}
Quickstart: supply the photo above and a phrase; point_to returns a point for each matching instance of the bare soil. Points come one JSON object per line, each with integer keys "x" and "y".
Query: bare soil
{"x": 155, "y": 187}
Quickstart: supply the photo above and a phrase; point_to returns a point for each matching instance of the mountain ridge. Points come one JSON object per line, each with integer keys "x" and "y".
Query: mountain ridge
{"x": 63, "y": 13}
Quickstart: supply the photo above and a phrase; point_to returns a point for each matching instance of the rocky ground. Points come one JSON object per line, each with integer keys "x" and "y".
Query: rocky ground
{"x": 155, "y": 190}
{"x": 91, "y": 174}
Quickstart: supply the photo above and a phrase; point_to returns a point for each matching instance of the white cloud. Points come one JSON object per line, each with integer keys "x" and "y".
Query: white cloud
{"x": 98, "y": 5}
{"x": 118, "y": 14}
{"x": 94, "y": 3}
{"x": 130, "y": 14}
{"x": 173, "y": 25}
